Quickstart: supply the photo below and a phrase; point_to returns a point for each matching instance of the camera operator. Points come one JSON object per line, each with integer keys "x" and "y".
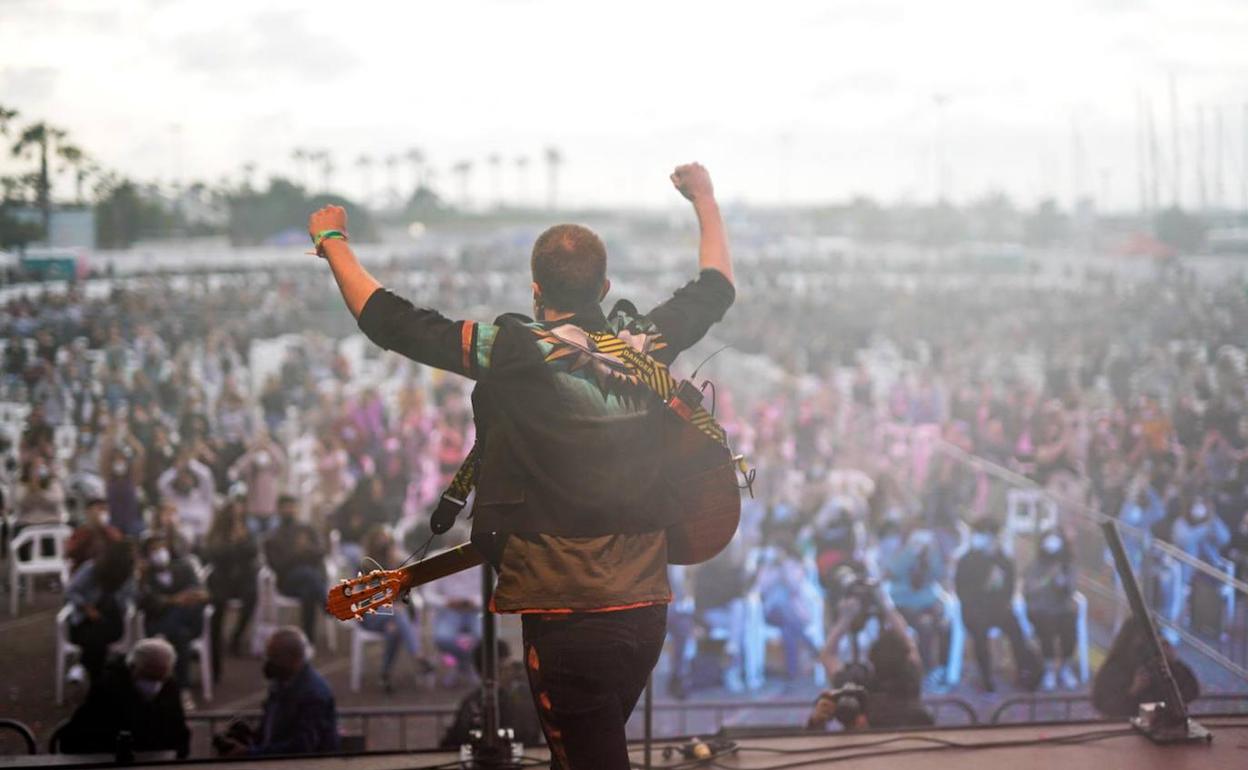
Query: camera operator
{"x": 885, "y": 691}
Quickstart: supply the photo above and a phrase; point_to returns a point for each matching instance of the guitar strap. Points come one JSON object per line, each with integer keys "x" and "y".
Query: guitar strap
{"x": 683, "y": 398}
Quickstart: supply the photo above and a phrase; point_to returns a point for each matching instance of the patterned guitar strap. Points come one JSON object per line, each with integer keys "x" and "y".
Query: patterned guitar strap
{"x": 683, "y": 398}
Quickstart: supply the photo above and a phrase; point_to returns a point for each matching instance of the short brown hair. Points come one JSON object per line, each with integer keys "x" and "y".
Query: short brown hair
{"x": 570, "y": 264}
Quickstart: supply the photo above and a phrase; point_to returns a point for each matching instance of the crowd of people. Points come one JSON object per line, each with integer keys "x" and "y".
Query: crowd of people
{"x": 190, "y": 467}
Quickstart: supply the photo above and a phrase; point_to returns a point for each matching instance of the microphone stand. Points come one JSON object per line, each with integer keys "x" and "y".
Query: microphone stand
{"x": 493, "y": 748}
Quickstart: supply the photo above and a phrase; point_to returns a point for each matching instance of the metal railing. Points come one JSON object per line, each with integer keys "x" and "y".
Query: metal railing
{"x": 1077, "y": 707}
{"x": 404, "y": 728}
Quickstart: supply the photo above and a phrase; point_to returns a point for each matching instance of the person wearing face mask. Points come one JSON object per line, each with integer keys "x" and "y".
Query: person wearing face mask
{"x": 137, "y": 695}
{"x": 263, "y": 469}
{"x": 122, "y": 462}
{"x": 99, "y": 593}
{"x": 297, "y": 556}
{"x": 1201, "y": 535}
{"x": 914, "y": 572}
{"x": 299, "y": 715}
{"x": 189, "y": 486}
{"x": 172, "y": 600}
{"x": 89, "y": 539}
{"x": 1048, "y": 586}
{"x": 984, "y": 578}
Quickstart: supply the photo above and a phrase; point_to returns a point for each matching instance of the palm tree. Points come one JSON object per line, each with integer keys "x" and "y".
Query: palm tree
{"x": 463, "y": 169}
{"x": 249, "y": 173}
{"x": 365, "y": 164}
{"x": 76, "y": 160}
{"x": 301, "y": 157}
{"x": 554, "y": 159}
{"x": 40, "y": 138}
{"x": 416, "y": 157}
{"x": 392, "y": 178}
{"x": 6, "y": 117}
{"x": 495, "y": 162}
{"x": 522, "y": 179}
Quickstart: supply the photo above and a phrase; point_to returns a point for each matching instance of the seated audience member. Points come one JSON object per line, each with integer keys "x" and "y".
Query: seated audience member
{"x": 787, "y": 605}
{"x": 136, "y": 695}
{"x": 984, "y": 578}
{"x": 893, "y": 681}
{"x": 189, "y": 486}
{"x": 1049, "y": 588}
{"x": 401, "y": 627}
{"x": 1125, "y": 679}
{"x": 40, "y": 495}
{"x": 89, "y": 539}
{"x": 294, "y": 552}
{"x": 299, "y": 715}
{"x": 99, "y": 593}
{"x": 719, "y": 589}
{"x": 166, "y": 525}
{"x": 231, "y": 551}
{"x": 515, "y": 704}
{"x": 455, "y": 601}
{"x": 914, "y": 573}
{"x": 172, "y": 600}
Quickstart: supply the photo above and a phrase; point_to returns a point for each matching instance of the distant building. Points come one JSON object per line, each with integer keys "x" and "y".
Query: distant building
{"x": 70, "y": 228}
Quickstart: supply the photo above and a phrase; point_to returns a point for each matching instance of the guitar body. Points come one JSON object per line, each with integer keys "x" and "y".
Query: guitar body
{"x": 703, "y": 478}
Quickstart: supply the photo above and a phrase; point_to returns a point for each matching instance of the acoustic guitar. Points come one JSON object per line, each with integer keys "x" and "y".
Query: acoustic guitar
{"x": 702, "y": 475}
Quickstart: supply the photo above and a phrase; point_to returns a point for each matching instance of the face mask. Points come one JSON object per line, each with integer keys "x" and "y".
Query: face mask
{"x": 149, "y": 688}
{"x": 262, "y": 460}
{"x": 160, "y": 557}
{"x": 1052, "y": 544}
{"x": 119, "y": 468}
{"x": 104, "y": 519}
{"x": 920, "y": 539}
{"x": 981, "y": 541}
{"x": 1199, "y": 512}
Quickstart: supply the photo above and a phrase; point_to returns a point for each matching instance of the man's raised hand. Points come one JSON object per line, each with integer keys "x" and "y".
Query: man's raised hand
{"x": 694, "y": 182}
{"x": 327, "y": 218}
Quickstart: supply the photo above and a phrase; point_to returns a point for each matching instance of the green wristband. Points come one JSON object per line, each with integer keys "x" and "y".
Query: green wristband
{"x": 327, "y": 235}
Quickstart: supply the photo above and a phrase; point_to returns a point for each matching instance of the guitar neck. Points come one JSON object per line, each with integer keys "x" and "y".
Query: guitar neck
{"x": 461, "y": 557}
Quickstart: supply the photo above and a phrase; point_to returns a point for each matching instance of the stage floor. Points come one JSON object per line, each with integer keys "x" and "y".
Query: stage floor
{"x": 1103, "y": 746}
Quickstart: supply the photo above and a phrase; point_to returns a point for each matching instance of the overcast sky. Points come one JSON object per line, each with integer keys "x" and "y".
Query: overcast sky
{"x": 784, "y": 101}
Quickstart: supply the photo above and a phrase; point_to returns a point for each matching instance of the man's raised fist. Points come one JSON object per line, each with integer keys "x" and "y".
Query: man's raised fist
{"x": 327, "y": 218}
{"x": 693, "y": 181}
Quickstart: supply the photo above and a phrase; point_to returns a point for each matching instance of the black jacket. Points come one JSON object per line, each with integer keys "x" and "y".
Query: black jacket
{"x": 113, "y": 705}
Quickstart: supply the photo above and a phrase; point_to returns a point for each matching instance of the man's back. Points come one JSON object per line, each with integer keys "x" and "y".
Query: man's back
{"x": 300, "y": 716}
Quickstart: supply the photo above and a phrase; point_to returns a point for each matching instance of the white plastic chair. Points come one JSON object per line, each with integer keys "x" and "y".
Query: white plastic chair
{"x": 65, "y": 439}
{"x": 65, "y": 649}
{"x": 1028, "y": 512}
{"x": 1081, "y": 629}
{"x": 269, "y": 604}
{"x": 36, "y": 540}
{"x": 14, "y": 412}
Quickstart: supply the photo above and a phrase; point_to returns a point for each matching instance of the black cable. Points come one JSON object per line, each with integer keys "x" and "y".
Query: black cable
{"x": 940, "y": 745}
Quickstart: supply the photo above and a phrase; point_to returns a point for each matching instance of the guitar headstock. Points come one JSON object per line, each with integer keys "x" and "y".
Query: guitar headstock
{"x": 353, "y": 599}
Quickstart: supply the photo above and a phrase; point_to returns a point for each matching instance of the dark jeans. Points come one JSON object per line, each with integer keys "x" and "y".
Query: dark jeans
{"x": 307, "y": 584}
{"x": 94, "y": 636}
{"x": 221, "y": 595}
{"x": 1056, "y": 633}
{"x": 981, "y": 620}
{"x": 180, "y": 626}
{"x": 586, "y": 672}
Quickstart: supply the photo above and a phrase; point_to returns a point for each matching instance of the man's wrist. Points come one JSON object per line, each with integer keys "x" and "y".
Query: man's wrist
{"x": 705, "y": 202}
{"x": 332, "y": 247}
